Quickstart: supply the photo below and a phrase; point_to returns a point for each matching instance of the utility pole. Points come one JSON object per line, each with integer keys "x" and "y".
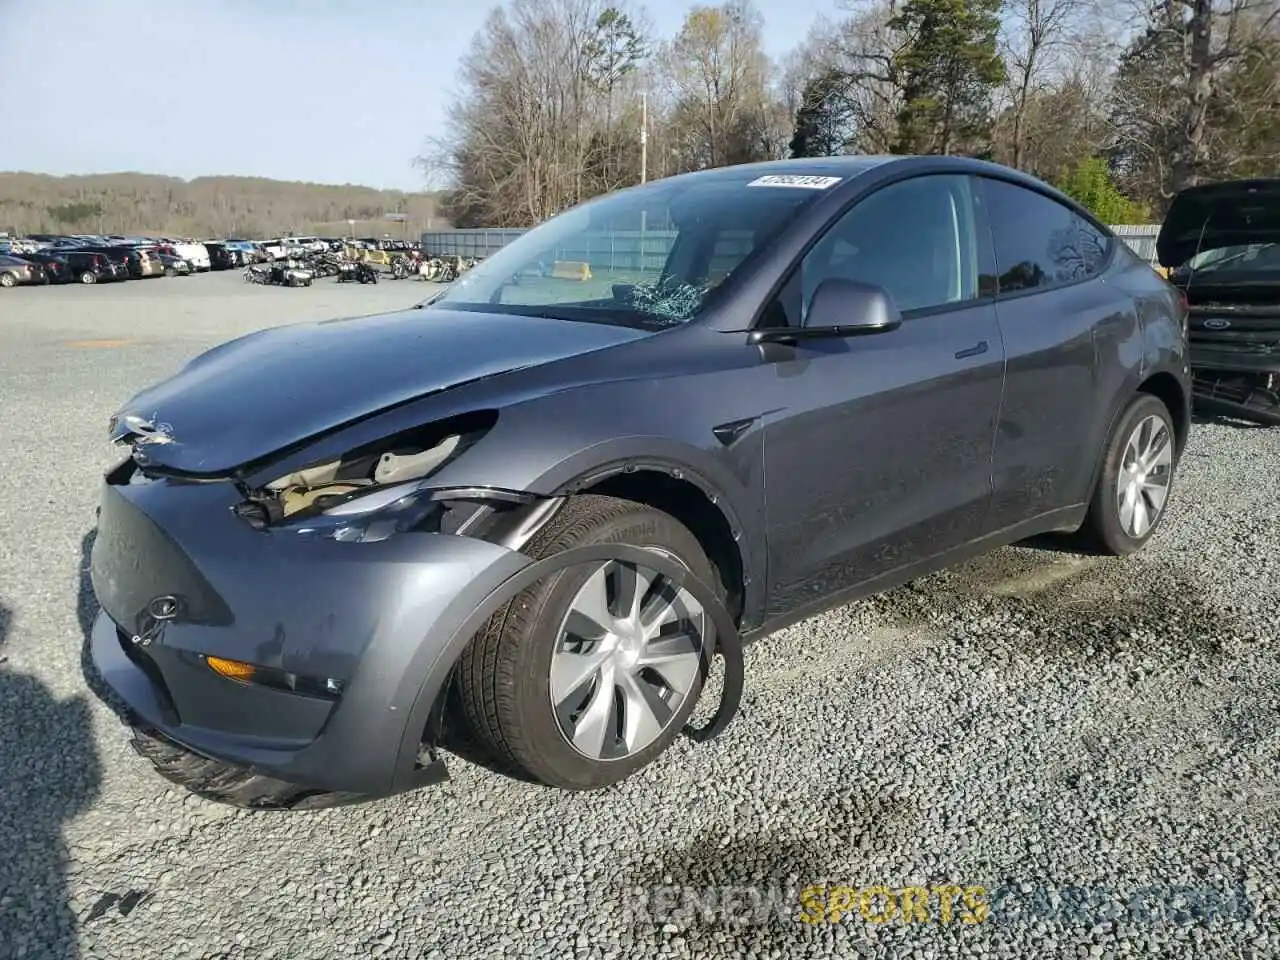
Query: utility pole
{"x": 644, "y": 173}
{"x": 644, "y": 137}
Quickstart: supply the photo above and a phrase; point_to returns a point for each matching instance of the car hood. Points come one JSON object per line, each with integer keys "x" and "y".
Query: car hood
{"x": 1219, "y": 215}
{"x": 263, "y": 393}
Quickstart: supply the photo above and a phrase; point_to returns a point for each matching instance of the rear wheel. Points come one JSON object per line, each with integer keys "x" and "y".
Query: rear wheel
{"x": 88, "y": 277}
{"x": 591, "y": 673}
{"x": 1136, "y": 477}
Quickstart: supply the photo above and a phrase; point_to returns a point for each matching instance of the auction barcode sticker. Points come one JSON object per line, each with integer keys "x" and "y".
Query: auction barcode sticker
{"x": 795, "y": 180}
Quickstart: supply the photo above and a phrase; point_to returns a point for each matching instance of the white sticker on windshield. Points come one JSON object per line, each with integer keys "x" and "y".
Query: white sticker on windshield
{"x": 795, "y": 180}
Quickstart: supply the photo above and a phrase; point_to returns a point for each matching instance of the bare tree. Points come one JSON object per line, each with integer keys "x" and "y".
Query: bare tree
{"x": 1035, "y": 33}
{"x": 862, "y": 50}
{"x": 532, "y": 130}
{"x": 1195, "y": 94}
{"x": 548, "y": 110}
{"x": 720, "y": 78}
{"x": 1218, "y": 35}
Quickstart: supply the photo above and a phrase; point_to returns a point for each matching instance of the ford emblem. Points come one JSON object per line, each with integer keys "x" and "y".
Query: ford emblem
{"x": 1216, "y": 323}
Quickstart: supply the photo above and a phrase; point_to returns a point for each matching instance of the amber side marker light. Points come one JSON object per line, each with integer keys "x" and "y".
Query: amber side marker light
{"x": 231, "y": 668}
{"x": 326, "y": 688}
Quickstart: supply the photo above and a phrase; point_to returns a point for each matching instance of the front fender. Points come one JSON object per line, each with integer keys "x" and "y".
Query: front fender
{"x": 731, "y": 479}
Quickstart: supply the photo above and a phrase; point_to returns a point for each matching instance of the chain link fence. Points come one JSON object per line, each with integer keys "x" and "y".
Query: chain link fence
{"x": 636, "y": 249}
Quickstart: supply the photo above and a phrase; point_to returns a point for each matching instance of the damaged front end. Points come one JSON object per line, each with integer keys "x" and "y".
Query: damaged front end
{"x": 304, "y": 625}
{"x": 1235, "y": 359}
{"x": 1235, "y": 355}
{"x": 1222, "y": 241}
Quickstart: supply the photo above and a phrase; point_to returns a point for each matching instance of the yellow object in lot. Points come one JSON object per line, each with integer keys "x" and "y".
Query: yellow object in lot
{"x": 571, "y": 270}
{"x": 364, "y": 255}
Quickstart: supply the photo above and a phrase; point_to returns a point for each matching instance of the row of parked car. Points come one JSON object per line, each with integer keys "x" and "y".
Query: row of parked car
{"x": 47, "y": 258}
{"x": 51, "y": 258}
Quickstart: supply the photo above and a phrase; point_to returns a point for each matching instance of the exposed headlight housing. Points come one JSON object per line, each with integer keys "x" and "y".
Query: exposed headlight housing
{"x": 376, "y": 515}
{"x": 370, "y": 493}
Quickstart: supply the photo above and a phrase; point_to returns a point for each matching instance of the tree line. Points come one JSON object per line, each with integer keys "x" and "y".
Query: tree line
{"x": 1121, "y": 103}
{"x": 249, "y": 207}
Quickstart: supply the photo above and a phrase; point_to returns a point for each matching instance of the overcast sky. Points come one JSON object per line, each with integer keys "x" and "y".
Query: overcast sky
{"x": 321, "y": 90}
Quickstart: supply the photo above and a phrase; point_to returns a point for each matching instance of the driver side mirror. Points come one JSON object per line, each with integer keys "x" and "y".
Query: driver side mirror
{"x": 839, "y": 308}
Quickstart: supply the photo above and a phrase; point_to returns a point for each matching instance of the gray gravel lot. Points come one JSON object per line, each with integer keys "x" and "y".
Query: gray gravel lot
{"x": 1081, "y": 737}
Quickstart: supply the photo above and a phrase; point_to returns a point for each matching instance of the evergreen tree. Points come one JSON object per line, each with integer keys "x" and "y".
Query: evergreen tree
{"x": 822, "y": 120}
{"x": 947, "y": 72}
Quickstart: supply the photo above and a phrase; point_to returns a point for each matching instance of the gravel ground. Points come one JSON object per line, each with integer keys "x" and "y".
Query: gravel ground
{"x": 1091, "y": 742}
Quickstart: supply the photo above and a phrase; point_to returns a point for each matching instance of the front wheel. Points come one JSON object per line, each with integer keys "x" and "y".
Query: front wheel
{"x": 1136, "y": 477}
{"x": 8, "y": 280}
{"x": 591, "y": 673}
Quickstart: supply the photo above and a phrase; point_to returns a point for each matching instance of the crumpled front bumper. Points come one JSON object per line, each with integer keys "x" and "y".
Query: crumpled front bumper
{"x": 180, "y": 579}
{"x": 377, "y": 618}
{"x": 1246, "y": 358}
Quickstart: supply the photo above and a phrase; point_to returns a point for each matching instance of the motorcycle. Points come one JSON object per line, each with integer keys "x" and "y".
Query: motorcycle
{"x": 286, "y": 273}
{"x": 406, "y": 265}
{"x": 326, "y": 265}
{"x": 358, "y": 271}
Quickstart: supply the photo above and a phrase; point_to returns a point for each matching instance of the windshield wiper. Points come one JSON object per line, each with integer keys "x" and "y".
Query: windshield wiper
{"x": 1217, "y": 264}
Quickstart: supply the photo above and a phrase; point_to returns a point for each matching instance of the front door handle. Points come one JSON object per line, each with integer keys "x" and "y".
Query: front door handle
{"x": 977, "y": 349}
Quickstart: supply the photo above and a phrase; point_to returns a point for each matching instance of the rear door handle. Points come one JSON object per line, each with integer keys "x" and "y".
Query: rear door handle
{"x": 977, "y": 349}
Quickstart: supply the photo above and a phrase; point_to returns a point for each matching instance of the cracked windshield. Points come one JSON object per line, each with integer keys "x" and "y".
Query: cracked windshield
{"x": 653, "y": 256}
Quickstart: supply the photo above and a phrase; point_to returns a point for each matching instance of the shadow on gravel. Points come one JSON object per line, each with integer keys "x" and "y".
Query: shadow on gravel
{"x": 1218, "y": 420}
{"x": 1062, "y": 543}
{"x": 1084, "y": 612}
{"x": 86, "y": 610}
{"x": 721, "y": 890}
{"x": 49, "y": 773}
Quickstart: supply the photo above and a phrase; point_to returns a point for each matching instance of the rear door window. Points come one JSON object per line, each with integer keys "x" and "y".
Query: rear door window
{"x": 1039, "y": 242}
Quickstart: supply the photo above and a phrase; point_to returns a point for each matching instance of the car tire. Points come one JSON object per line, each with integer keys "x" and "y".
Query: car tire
{"x": 8, "y": 280}
{"x": 1127, "y": 508}
{"x": 224, "y": 783}
{"x": 170, "y": 272}
{"x": 88, "y": 277}
{"x": 505, "y": 677}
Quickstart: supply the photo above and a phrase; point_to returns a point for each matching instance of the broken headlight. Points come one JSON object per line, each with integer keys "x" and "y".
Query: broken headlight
{"x": 368, "y": 494}
{"x": 374, "y": 515}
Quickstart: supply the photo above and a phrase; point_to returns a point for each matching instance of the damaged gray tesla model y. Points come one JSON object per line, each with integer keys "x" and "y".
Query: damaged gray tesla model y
{"x": 528, "y": 515}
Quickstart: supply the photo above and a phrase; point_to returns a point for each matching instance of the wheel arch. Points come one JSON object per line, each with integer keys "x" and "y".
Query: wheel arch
{"x": 688, "y": 499}
{"x": 1166, "y": 388}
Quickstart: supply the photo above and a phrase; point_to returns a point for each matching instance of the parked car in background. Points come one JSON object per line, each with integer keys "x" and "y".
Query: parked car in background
{"x": 274, "y": 249}
{"x": 16, "y": 272}
{"x": 123, "y": 257}
{"x": 174, "y": 266}
{"x": 301, "y": 246}
{"x": 88, "y": 266}
{"x": 57, "y": 269}
{"x": 149, "y": 264}
{"x": 536, "y": 506}
{"x": 1223, "y": 242}
{"x": 194, "y": 253}
{"x": 248, "y": 251}
{"x": 222, "y": 257}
